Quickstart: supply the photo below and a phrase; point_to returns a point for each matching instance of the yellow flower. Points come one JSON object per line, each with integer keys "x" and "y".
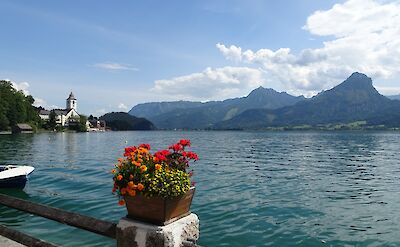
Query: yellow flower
{"x": 158, "y": 167}
{"x": 143, "y": 168}
{"x": 113, "y": 171}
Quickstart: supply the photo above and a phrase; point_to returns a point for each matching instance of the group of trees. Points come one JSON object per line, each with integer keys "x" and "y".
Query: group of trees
{"x": 16, "y": 107}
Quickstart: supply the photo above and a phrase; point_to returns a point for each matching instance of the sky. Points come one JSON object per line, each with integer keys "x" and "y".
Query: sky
{"x": 115, "y": 54}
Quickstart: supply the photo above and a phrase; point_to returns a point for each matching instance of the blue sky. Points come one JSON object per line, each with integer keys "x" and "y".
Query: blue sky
{"x": 115, "y": 54}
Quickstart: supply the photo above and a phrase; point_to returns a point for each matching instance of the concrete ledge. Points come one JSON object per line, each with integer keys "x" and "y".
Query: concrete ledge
{"x": 132, "y": 233}
{"x": 9, "y": 243}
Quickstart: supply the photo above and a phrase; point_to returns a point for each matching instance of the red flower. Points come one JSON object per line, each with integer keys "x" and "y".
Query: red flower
{"x": 162, "y": 155}
{"x": 144, "y": 145}
{"x": 184, "y": 142}
{"x": 129, "y": 150}
{"x": 191, "y": 155}
{"x": 176, "y": 147}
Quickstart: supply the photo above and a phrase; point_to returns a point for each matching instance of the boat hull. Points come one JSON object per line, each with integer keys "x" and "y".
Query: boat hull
{"x": 17, "y": 182}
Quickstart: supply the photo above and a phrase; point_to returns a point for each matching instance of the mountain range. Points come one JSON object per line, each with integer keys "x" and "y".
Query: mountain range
{"x": 354, "y": 100}
{"x": 197, "y": 115}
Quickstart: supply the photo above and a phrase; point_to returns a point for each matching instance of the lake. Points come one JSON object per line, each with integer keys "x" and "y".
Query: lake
{"x": 253, "y": 188}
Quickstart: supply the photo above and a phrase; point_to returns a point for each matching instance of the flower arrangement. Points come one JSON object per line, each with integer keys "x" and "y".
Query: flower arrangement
{"x": 162, "y": 174}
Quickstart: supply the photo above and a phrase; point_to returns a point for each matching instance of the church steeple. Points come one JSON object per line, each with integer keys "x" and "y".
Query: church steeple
{"x": 71, "y": 102}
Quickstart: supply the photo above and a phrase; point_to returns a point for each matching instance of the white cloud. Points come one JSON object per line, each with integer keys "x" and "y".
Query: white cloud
{"x": 233, "y": 52}
{"x": 114, "y": 66}
{"x": 364, "y": 36}
{"x": 40, "y": 102}
{"x": 22, "y": 86}
{"x": 389, "y": 90}
{"x": 210, "y": 84}
{"x": 122, "y": 106}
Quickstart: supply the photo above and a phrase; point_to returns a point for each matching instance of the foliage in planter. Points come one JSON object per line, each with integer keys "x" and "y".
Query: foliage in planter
{"x": 162, "y": 174}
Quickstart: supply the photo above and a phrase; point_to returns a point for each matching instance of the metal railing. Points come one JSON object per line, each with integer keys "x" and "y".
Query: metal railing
{"x": 101, "y": 227}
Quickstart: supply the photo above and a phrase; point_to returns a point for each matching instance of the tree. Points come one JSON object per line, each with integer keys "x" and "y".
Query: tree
{"x": 3, "y": 120}
{"x": 82, "y": 123}
{"x": 52, "y": 120}
{"x": 16, "y": 107}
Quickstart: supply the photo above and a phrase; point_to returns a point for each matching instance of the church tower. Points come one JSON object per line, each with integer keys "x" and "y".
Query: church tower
{"x": 71, "y": 102}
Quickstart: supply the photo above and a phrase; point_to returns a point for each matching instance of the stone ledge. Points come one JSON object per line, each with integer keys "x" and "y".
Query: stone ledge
{"x": 9, "y": 243}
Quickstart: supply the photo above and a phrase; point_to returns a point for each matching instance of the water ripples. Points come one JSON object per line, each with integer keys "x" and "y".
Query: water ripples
{"x": 253, "y": 188}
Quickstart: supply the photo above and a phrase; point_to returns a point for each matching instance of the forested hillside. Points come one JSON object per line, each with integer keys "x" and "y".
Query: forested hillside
{"x": 15, "y": 107}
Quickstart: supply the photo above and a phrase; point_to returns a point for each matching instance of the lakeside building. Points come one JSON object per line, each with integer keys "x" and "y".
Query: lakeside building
{"x": 22, "y": 128}
{"x": 64, "y": 117}
{"x": 95, "y": 124}
{"x": 70, "y": 117}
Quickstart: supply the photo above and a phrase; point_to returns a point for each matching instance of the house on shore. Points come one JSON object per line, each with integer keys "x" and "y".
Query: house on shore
{"x": 96, "y": 124}
{"x": 22, "y": 128}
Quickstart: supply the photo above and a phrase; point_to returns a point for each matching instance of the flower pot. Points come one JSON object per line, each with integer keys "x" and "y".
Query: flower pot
{"x": 158, "y": 210}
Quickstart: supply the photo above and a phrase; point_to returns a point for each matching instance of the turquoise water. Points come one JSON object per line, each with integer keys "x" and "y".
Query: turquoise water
{"x": 253, "y": 188}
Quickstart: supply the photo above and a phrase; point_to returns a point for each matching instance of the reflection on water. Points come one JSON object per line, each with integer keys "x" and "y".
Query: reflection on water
{"x": 253, "y": 188}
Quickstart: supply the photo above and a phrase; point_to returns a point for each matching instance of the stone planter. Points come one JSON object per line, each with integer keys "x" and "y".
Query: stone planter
{"x": 158, "y": 210}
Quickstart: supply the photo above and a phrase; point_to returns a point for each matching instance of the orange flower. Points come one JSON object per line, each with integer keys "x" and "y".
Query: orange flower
{"x": 119, "y": 177}
{"x": 140, "y": 186}
{"x": 123, "y": 191}
{"x": 113, "y": 171}
{"x": 121, "y": 202}
{"x": 119, "y": 166}
{"x": 158, "y": 167}
{"x": 143, "y": 168}
{"x": 132, "y": 192}
{"x": 120, "y": 160}
{"x": 130, "y": 177}
{"x": 131, "y": 185}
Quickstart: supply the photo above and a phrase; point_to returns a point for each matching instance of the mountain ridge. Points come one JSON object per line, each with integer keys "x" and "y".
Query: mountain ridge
{"x": 355, "y": 99}
{"x": 207, "y": 114}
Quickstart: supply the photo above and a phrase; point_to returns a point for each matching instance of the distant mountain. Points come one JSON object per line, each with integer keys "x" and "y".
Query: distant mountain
{"x": 205, "y": 115}
{"x": 148, "y": 110}
{"x": 124, "y": 121}
{"x": 355, "y": 99}
{"x": 394, "y": 97}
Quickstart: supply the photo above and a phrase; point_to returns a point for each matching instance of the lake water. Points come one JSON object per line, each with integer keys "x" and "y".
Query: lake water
{"x": 253, "y": 188}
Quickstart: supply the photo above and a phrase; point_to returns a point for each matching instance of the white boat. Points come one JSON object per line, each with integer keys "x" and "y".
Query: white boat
{"x": 13, "y": 176}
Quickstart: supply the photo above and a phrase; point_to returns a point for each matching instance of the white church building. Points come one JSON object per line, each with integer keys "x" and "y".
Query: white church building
{"x": 64, "y": 117}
